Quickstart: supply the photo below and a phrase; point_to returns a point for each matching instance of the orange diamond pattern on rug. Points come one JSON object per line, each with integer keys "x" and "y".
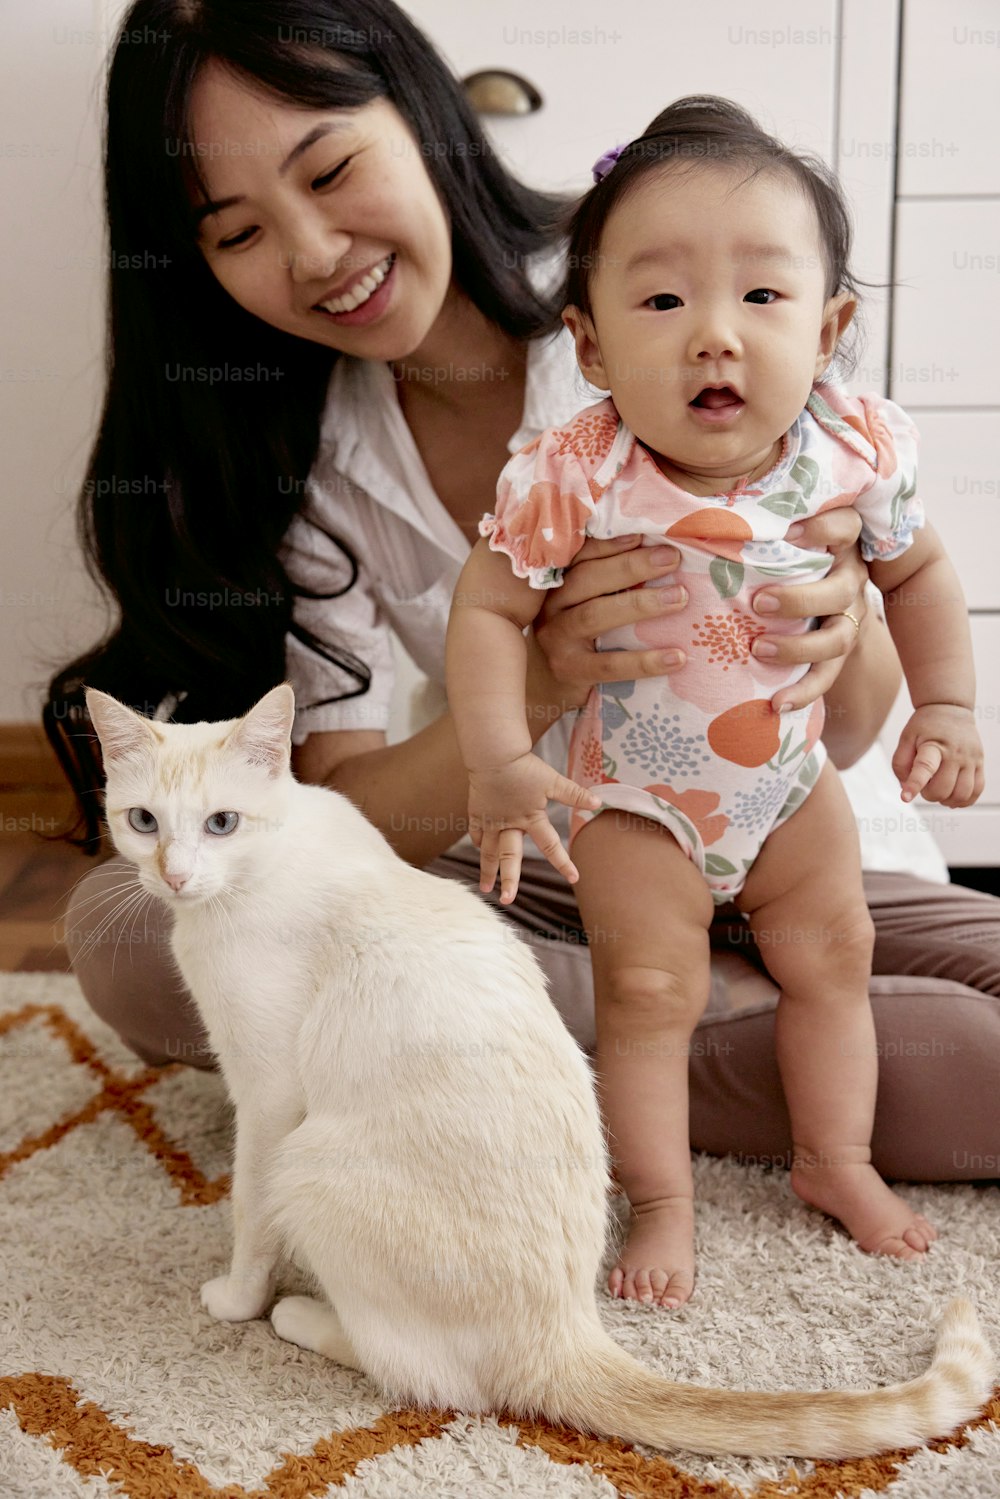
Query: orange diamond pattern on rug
{"x": 58, "y": 1055}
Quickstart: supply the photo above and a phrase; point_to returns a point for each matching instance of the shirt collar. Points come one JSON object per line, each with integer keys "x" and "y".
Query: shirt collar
{"x": 364, "y": 436}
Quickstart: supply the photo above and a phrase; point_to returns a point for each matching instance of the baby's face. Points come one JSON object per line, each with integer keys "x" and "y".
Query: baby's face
{"x": 706, "y": 280}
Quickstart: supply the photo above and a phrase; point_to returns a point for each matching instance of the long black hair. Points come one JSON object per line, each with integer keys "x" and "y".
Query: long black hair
{"x": 193, "y": 482}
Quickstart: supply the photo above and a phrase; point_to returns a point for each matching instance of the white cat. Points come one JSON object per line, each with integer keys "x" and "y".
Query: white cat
{"x": 414, "y": 1124}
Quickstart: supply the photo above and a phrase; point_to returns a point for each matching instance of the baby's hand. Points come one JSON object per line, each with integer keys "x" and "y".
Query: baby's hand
{"x": 940, "y": 755}
{"x": 507, "y": 801}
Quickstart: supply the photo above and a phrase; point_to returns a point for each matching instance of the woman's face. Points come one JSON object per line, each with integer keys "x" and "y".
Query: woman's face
{"x": 331, "y": 206}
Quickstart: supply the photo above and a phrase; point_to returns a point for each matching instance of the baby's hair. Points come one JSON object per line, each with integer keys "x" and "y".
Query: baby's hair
{"x": 704, "y": 130}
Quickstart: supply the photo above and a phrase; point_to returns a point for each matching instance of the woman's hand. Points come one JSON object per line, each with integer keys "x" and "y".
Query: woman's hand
{"x": 840, "y": 592}
{"x": 602, "y": 590}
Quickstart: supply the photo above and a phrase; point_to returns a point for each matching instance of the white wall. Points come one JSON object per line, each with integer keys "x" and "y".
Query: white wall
{"x": 51, "y": 353}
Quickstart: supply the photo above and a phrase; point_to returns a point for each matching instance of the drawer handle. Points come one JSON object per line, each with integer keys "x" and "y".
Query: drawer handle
{"x": 495, "y": 92}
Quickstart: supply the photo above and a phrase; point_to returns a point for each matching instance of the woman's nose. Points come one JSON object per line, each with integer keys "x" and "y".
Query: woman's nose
{"x": 313, "y": 251}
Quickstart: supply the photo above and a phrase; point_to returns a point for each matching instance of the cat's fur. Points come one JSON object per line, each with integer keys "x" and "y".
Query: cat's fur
{"x": 414, "y": 1125}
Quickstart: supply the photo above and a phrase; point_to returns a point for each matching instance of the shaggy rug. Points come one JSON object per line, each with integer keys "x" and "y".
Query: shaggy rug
{"x": 114, "y": 1381}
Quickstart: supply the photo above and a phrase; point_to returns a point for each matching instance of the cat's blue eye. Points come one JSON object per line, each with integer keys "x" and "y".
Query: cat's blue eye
{"x": 141, "y": 820}
{"x": 221, "y": 823}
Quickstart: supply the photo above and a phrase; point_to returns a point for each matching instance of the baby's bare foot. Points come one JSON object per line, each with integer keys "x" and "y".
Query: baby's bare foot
{"x": 656, "y": 1264}
{"x": 845, "y": 1185}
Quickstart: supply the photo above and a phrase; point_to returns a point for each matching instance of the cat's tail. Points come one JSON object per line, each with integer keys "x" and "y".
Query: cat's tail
{"x": 606, "y": 1391}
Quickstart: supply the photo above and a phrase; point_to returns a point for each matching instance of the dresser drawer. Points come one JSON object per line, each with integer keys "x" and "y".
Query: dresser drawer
{"x": 959, "y": 483}
{"x": 604, "y": 71}
{"x": 946, "y": 313}
{"x": 967, "y": 835}
{"x": 950, "y": 104}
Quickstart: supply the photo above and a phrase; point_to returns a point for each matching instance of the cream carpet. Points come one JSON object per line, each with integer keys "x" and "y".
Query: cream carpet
{"x": 114, "y": 1381}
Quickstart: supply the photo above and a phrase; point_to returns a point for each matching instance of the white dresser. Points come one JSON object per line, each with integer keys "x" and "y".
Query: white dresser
{"x": 903, "y": 98}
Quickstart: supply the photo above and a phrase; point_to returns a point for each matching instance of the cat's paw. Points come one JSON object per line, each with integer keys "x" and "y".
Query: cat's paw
{"x": 228, "y": 1299}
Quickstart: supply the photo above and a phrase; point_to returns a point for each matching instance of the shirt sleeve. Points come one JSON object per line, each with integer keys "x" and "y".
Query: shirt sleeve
{"x": 542, "y": 508}
{"x": 339, "y": 639}
{"x": 890, "y": 509}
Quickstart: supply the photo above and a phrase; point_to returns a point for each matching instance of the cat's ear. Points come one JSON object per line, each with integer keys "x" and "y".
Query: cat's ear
{"x": 263, "y": 736}
{"x": 121, "y": 730}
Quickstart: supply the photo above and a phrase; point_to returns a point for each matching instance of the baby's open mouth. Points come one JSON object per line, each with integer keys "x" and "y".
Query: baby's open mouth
{"x": 714, "y": 400}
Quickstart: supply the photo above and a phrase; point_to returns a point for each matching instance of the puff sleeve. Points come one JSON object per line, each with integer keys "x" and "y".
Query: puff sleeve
{"x": 889, "y": 507}
{"x": 542, "y": 508}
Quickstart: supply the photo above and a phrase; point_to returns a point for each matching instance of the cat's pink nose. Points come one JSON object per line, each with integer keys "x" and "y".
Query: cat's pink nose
{"x": 176, "y": 881}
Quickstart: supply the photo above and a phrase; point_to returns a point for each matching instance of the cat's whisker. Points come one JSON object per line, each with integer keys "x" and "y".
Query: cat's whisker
{"x": 144, "y": 910}
{"x": 134, "y": 904}
{"x": 217, "y": 904}
{"x": 119, "y": 893}
{"x": 122, "y": 906}
{"x": 106, "y": 893}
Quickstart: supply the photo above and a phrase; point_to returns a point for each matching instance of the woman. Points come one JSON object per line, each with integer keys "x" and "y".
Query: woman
{"x": 339, "y": 332}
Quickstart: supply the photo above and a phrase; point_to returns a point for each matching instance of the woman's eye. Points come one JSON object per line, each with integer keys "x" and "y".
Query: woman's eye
{"x": 761, "y": 296}
{"x": 238, "y": 239}
{"x": 316, "y": 184}
{"x": 221, "y": 823}
{"x": 141, "y": 820}
{"x": 664, "y": 301}
{"x": 329, "y": 176}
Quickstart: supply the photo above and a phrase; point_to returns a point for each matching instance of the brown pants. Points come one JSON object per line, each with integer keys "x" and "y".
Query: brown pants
{"x": 935, "y": 996}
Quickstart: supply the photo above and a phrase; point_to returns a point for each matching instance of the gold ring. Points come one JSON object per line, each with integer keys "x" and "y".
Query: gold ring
{"x": 856, "y": 623}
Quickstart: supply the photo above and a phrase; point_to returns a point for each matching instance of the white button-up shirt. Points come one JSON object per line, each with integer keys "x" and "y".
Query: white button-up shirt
{"x": 369, "y": 488}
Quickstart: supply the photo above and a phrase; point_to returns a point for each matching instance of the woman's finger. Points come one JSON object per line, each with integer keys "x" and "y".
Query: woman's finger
{"x": 628, "y": 666}
{"x": 817, "y": 680}
{"x": 833, "y": 640}
{"x": 830, "y": 595}
{"x": 608, "y": 571}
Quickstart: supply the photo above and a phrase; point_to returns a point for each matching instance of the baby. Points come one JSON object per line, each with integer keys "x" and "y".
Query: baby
{"x": 710, "y": 293}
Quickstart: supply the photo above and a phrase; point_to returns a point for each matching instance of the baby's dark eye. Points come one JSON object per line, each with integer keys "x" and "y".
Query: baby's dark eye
{"x": 664, "y": 301}
{"x": 761, "y": 296}
{"x": 141, "y": 820}
{"x": 221, "y": 823}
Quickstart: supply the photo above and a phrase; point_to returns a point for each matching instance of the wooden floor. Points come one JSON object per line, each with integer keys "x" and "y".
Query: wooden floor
{"x": 36, "y": 877}
{"x": 37, "y": 868}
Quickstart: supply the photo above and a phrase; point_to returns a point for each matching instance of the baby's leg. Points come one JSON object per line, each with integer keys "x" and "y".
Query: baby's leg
{"x": 647, "y": 910}
{"x": 805, "y": 902}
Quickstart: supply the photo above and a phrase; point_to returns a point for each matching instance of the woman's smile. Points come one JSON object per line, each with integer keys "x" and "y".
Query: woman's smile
{"x": 366, "y": 296}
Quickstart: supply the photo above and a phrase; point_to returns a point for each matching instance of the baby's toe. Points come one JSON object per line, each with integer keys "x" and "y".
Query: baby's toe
{"x": 658, "y": 1282}
{"x": 616, "y": 1280}
{"x": 678, "y": 1290}
{"x": 917, "y": 1237}
{"x": 643, "y": 1287}
{"x": 896, "y": 1247}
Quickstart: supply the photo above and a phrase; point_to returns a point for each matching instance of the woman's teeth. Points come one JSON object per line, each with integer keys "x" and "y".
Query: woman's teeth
{"x": 362, "y": 290}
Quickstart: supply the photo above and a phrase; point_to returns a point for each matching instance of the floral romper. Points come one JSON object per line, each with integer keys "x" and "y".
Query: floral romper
{"x": 701, "y": 750}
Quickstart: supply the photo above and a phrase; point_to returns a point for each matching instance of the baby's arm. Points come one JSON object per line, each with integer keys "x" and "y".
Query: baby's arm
{"x": 939, "y": 753}
{"x": 509, "y": 787}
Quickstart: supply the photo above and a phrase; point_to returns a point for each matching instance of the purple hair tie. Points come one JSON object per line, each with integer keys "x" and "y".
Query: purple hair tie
{"x": 602, "y": 166}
